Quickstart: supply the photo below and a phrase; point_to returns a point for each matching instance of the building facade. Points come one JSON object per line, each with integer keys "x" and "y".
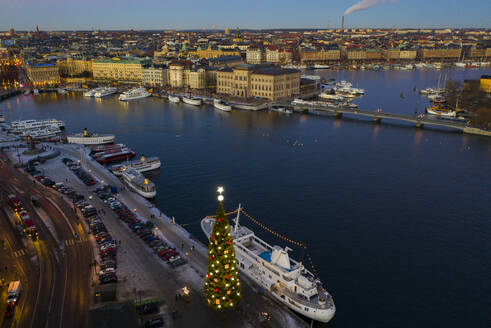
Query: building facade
{"x": 154, "y": 76}
{"x": 254, "y": 56}
{"x": 43, "y": 75}
{"x": 268, "y": 82}
{"x": 74, "y": 67}
{"x": 117, "y": 69}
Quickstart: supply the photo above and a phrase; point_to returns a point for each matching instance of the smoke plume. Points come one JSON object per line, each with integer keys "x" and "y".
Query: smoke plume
{"x": 363, "y": 4}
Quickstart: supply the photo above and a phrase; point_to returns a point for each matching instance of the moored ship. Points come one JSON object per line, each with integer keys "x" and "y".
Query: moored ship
{"x": 192, "y": 101}
{"x": 220, "y": 104}
{"x": 142, "y": 165}
{"x": 440, "y": 111}
{"x": 88, "y": 139}
{"x": 133, "y": 94}
{"x": 21, "y": 126}
{"x": 174, "y": 99}
{"x": 271, "y": 268}
{"x": 105, "y": 92}
{"x": 141, "y": 185}
{"x": 121, "y": 155}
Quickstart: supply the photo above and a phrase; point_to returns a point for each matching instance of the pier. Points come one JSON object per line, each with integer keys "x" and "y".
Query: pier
{"x": 378, "y": 116}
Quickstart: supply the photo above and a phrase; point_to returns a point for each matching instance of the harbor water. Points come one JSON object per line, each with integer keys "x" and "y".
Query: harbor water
{"x": 396, "y": 219}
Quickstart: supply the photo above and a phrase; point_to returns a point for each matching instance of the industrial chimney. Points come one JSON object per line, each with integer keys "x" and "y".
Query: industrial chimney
{"x": 342, "y": 23}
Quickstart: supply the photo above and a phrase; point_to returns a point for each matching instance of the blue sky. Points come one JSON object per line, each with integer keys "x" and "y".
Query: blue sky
{"x": 197, "y": 14}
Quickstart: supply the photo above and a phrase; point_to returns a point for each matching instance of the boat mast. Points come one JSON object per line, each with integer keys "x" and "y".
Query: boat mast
{"x": 236, "y": 228}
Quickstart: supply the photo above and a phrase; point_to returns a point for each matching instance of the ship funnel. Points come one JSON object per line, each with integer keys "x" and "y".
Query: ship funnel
{"x": 86, "y": 134}
{"x": 142, "y": 158}
{"x": 145, "y": 181}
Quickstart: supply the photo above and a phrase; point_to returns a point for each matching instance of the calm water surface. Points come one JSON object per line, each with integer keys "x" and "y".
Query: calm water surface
{"x": 397, "y": 219}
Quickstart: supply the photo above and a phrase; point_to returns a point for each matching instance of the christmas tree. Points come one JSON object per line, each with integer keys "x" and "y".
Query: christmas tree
{"x": 222, "y": 286}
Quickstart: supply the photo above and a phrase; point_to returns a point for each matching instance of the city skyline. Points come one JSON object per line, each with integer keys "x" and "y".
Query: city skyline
{"x": 218, "y": 14}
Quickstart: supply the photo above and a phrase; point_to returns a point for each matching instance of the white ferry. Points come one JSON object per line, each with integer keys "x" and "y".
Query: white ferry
{"x": 174, "y": 99}
{"x": 105, "y": 92}
{"x": 142, "y": 165}
{"x": 220, "y": 104}
{"x": 20, "y": 126}
{"x": 271, "y": 268}
{"x": 132, "y": 94}
{"x": 42, "y": 133}
{"x": 141, "y": 185}
{"x": 192, "y": 101}
{"x": 86, "y": 138}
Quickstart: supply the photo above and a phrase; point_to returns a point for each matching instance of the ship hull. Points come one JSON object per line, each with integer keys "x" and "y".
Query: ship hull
{"x": 99, "y": 140}
{"x": 190, "y": 101}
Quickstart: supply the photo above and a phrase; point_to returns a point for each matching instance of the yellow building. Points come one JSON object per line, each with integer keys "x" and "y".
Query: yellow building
{"x": 117, "y": 69}
{"x": 72, "y": 67}
{"x": 42, "y": 75}
{"x": 486, "y": 83}
{"x": 268, "y": 82}
{"x": 154, "y": 76}
{"x": 210, "y": 52}
{"x": 183, "y": 75}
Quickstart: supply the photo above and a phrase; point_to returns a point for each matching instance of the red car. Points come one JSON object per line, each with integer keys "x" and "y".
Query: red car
{"x": 167, "y": 253}
{"x": 9, "y": 311}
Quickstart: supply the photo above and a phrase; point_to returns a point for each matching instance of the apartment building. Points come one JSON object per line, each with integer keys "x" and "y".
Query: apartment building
{"x": 127, "y": 70}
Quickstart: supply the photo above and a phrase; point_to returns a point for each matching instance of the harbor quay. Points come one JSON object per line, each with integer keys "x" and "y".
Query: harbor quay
{"x": 144, "y": 276}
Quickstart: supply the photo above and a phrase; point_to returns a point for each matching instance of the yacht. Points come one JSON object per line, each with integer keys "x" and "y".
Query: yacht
{"x": 287, "y": 280}
{"x": 105, "y": 92}
{"x": 61, "y": 91}
{"x": 87, "y": 138}
{"x": 92, "y": 92}
{"x": 460, "y": 64}
{"x": 132, "y": 94}
{"x": 192, "y": 101}
{"x": 174, "y": 99}
{"x": 220, "y": 104}
{"x": 141, "y": 185}
{"x": 20, "y": 126}
{"x": 321, "y": 66}
{"x": 439, "y": 111}
{"x": 142, "y": 165}
{"x": 328, "y": 96}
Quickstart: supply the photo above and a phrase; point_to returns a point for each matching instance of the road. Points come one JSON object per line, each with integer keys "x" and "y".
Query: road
{"x": 58, "y": 278}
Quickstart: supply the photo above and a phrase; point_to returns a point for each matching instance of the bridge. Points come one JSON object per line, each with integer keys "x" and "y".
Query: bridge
{"x": 377, "y": 117}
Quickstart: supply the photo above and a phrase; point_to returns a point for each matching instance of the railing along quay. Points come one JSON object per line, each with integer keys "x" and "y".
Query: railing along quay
{"x": 377, "y": 117}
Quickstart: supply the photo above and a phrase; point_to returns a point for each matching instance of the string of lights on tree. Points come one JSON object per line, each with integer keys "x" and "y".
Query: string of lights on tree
{"x": 222, "y": 285}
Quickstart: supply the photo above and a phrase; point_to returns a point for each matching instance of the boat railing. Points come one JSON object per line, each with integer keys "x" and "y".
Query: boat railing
{"x": 305, "y": 301}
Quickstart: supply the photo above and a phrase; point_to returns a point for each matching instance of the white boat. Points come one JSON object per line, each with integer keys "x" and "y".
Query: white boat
{"x": 328, "y": 96}
{"x": 419, "y": 65}
{"x": 42, "y": 133}
{"x": 86, "y": 138}
{"x": 35, "y": 91}
{"x": 281, "y": 109}
{"x": 132, "y": 94}
{"x": 192, "y": 101}
{"x": 441, "y": 112}
{"x": 220, "y": 104}
{"x": 105, "y": 92}
{"x": 20, "y": 126}
{"x": 321, "y": 66}
{"x": 91, "y": 93}
{"x": 460, "y": 64}
{"x": 27, "y": 92}
{"x": 61, "y": 91}
{"x": 141, "y": 185}
{"x": 174, "y": 99}
{"x": 142, "y": 165}
{"x": 287, "y": 280}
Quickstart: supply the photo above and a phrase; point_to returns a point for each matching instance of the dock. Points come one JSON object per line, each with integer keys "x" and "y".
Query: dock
{"x": 378, "y": 116}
